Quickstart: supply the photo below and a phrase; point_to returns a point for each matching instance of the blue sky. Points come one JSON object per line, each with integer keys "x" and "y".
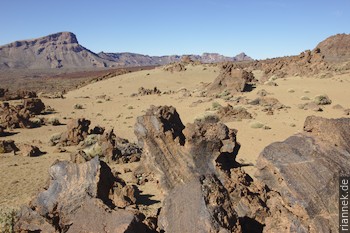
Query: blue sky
{"x": 260, "y": 28}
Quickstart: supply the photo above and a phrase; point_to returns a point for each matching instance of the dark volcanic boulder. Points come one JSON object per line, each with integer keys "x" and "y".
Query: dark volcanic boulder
{"x": 304, "y": 170}
{"x": 34, "y": 106}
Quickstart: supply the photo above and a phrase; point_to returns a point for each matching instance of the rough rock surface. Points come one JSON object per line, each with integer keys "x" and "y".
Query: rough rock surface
{"x": 30, "y": 150}
{"x": 77, "y": 131}
{"x": 78, "y": 199}
{"x": 336, "y": 48}
{"x": 34, "y": 106}
{"x": 6, "y": 94}
{"x": 7, "y": 146}
{"x": 14, "y": 116}
{"x": 230, "y": 113}
{"x": 144, "y": 91}
{"x": 164, "y": 144}
{"x": 175, "y": 67}
{"x": 231, "y": 80}
{"x": 304, "y": 170}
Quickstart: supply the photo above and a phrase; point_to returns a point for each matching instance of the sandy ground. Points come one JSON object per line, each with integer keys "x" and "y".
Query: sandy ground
{"x": 21, "y": 178}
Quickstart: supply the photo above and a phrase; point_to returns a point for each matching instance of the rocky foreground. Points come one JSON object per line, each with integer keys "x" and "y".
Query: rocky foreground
{"x": 205, "y": 188}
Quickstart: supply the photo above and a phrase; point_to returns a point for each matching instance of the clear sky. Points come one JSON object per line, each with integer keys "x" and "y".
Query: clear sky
{"x": 260, "y": 28}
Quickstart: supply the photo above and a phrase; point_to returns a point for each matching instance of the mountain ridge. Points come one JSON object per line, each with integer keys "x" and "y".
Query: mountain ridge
{"x": 62, "y": 50}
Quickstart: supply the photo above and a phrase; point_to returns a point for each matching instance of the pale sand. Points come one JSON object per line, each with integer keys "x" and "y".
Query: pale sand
{"x": 19, "y": 183}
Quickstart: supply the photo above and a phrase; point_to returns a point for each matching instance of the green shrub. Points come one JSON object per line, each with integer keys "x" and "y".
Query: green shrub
{"x": 256, "y": 125}
{"x": 8, "y": 217}
{"x": 322, "y": 100}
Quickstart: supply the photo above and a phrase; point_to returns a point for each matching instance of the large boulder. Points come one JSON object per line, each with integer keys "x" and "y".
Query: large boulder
{"x": 304, "y": 170}
{"x": 231, "y": 80}
{"x": 183, "y": 161}
{"x": 77, "y": 131}
{"x": 78, "y": 199}
{"x": 14, "y": 116}
{"x": 34, "y": 106}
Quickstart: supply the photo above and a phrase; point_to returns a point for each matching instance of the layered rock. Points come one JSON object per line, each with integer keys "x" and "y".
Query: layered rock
{"x": 78, "y": 199}
{"x": 304, "y": 170}
{"x": 194, "y": 152}
{"x": 336, "y": 48}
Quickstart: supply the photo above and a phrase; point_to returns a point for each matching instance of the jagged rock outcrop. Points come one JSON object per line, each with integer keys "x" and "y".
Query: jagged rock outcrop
{"x": 304, "y": 170}
{"x": 175, "y": 67}
{"x": 144, "y": 91}
{"x": 5, "y": 94}
{"x": 34, "y": 106}
{"x": 231, "y": 80}
{"x": 7, "y": 146}
{"x": 14, "y": 116}
{"x": 78, "y": 199}
{"x": 77, "y": 131}
{"x": 194, "y": 152}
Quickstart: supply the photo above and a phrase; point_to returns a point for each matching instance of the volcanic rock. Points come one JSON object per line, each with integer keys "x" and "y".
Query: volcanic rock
{"x": 304, "y": 170}
{"x": 77, "y": 131}
{"x": 143, "y": 91}
{"x": 14, "y": 116}
{"x": 34, "y": 106}
{"x": 230, "y": 113}
{"x": 7, "y": 146}
{"x": 336, "y": 48}
{"x": 175, "y": 67}
{"x": 164, "y": 144}
{"x": 78, "y": 198}
{"x": 30, "y": 150}
{"x": 231, "y": 80}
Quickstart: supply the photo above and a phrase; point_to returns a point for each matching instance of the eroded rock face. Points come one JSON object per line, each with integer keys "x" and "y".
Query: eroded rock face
{"x": 77, "y": 198}
{"x": 304, "y": 170}
{"x": 231, "y": 79}
{"x": 175, "y": 67}
{"x": 7, "y": 146}
{"x": 77, "y": 131}
{"x": 34, "y": 106}
{"x": 14, "y": 116}
{"x": 194, "y": 152}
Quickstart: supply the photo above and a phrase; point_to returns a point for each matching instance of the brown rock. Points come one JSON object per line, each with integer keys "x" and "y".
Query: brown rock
{"x": 77, "y": 131}
{"x": 77, "y": 200}
{"x": 231, "y": 80}
{"x": 14, "y": 116}
{"x": 175, "y": 67}
{"x": 230, "y": 113}
{"x": 34, "y": 106}
{"x": 196, "y": 201}
{"x": 304, "y": 170}
{"x": 30, "y": 150}
{"x": 7, "y": 146}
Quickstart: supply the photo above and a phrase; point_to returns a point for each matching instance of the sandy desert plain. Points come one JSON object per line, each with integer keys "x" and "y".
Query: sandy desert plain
{"x": 272, "y": 108}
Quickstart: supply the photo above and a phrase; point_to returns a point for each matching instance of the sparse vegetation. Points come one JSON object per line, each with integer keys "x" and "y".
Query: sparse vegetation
{"x": 215, "y": 106}
{"x": 53, "y": 121}
{"x": 256, "y": 125}
{"x": 7, "y": 220}
{"x": 304, "y": 98}
{"x": 78, "y": 106}
{"x": 322, "y": 100}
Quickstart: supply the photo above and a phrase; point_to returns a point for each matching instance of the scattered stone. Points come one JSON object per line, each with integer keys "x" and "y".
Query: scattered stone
{"x": 7, "y": 146}
{"x": 338, "y": 107}
{"x": 34, "y": 106}
{"x": 230, "y": 113}
{"x": 175, "y": 67}
{"x": 262, "y": 93}
{"x": 30, "y": 150}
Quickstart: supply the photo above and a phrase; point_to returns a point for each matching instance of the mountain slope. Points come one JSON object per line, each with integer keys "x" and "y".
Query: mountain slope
{"x": 60, "y": 50}
{"x": 336, "y": 48}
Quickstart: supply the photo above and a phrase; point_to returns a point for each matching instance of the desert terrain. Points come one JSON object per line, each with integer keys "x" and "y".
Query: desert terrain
{"x": 273, "y": 104}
